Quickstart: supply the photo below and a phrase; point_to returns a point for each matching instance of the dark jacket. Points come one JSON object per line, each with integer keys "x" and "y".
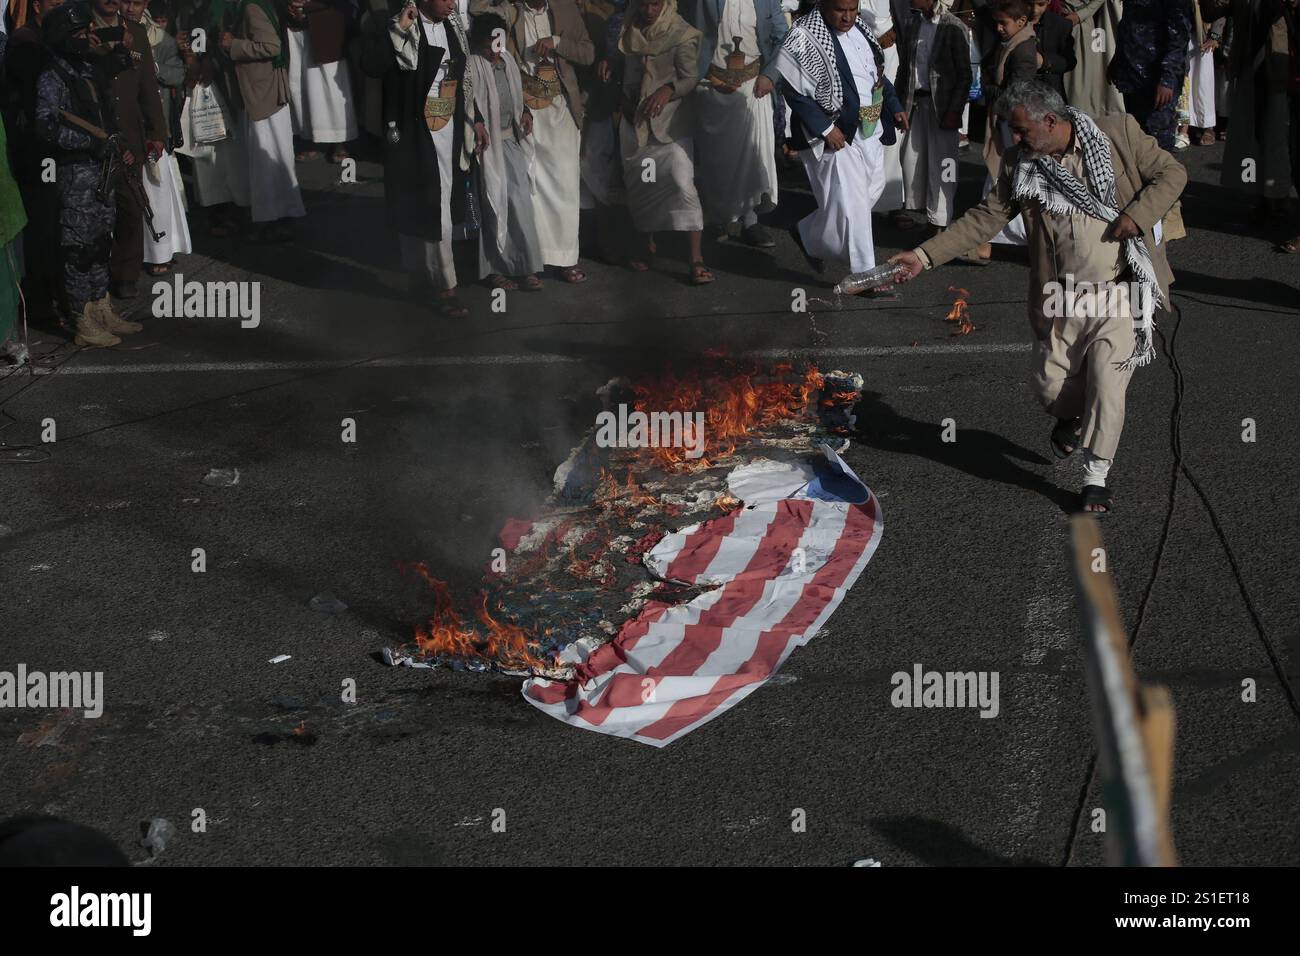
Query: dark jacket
{"x": 704, "y": 15}
{"x": 134, "y": 79}
{"x": 26, "y": 58}
{"x": 412, "y": 185}
{"x": 811, "y": 119}
{"x": 950, "y": 74}
{"x": 76, "y": 87}
{"x": 1151, "y": 48}
{"x": 1022, "y": 64}
{"x": 1056, "y": 44}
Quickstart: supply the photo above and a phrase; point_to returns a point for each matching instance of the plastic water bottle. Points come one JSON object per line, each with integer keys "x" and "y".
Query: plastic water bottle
{"x": 856, "y": 282}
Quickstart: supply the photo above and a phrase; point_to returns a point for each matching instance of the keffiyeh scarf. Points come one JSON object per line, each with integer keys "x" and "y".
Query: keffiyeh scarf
{"x": 1044, "y": 179}
{"x": 810, "y": 45}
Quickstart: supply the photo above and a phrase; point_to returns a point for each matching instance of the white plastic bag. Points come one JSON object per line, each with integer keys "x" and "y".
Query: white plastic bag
{"x": 187, "y": 146}
{"x": 207, "y": 121}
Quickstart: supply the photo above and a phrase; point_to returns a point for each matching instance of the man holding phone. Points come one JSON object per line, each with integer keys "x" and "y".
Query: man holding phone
{"x": 126, "y": 62}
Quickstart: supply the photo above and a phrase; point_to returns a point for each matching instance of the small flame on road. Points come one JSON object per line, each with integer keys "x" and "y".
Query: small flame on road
{"x": 960, "y": 311}
{"x": 446, "y": 634}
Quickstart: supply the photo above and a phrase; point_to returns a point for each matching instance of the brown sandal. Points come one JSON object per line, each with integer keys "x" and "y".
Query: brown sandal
{"x": 502, "y": 282}
{"x": 700, "y": 273}
{"x": 573, "y": 275}
{"x": 1290, "y": 247}
{"x": 530, "y": 284}
{"x": 450, "y": 306}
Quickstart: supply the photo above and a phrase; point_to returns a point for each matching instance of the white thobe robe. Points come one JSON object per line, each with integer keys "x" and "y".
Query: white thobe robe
{"x": 272, "y": 179}
{"x": 557, "y": 141}
{"x": 735, "y": 131}
{"x": 846, "y": 183}
{"x": 1014, "y": 233}
{"x": 1201, "y": 88}
{"x": 221, "y": 174}
{"x": 434, "y": 258}
{"x": 669, "y": 201}
{"x": 320, "y": 95}
{"x": 167, "y": 200}
{"x": 879, "y": 16}
{"x": 508, "y": 237}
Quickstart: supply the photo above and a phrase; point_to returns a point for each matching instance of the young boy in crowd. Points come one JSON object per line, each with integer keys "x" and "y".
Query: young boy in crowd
{"x": 1015, "y": 58}
{"x": 1055, "y": 36}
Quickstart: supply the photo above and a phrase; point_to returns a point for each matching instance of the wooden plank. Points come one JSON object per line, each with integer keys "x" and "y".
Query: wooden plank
{"x": 1134, "y": 725}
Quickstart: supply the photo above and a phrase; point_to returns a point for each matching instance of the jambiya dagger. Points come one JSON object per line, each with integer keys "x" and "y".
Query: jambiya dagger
{"x": 113, "y": 167}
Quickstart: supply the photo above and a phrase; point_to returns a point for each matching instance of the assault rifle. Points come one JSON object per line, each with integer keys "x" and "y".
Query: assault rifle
{"x": 113, "y": 168}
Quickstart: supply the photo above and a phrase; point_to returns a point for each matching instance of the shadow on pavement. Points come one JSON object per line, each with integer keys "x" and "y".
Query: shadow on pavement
{"x": 938, "y": 844}
{"x": 1256, "y": 289}
{"x": 981, "y": 454}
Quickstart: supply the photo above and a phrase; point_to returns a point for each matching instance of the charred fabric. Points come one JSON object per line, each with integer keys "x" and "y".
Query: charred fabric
{"x": 576, "y": 572}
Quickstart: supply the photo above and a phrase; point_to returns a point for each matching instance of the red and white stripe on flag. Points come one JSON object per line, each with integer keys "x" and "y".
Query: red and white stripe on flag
{"x": 781, "y": 565}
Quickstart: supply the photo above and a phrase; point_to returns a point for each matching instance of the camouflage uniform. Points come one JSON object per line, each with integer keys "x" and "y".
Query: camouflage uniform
{"x": 85, "y": 220}
{"x": 1152, "y": 52}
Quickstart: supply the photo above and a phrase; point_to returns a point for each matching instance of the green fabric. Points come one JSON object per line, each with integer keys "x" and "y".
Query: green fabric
{"x": 877, "y": 98}
{"x": 281, "y": 59}
{"x": 217, "y": 14}
{"x": 12, "y": 215}
{"x": 8, "y": 292}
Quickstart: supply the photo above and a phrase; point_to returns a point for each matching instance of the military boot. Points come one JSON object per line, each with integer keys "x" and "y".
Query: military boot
{"x": 111, "y": 321}
{"x": 90, "y": 332}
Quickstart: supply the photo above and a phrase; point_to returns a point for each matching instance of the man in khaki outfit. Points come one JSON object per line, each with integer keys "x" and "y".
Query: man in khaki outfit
{"x": 1092, "y": 193}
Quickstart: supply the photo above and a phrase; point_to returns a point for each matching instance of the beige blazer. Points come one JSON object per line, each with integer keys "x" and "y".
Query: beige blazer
{"x": 263, "y": 88}
{"x": 1147, "y": 182}
{"x": 677, "y": 67}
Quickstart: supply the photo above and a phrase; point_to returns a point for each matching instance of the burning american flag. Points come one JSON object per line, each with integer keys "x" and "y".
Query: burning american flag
{"x": 655, "y": 591}
{"x": 779, "y": 567}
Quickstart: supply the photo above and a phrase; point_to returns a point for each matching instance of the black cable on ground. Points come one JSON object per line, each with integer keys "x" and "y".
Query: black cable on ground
{"x": 1269, "y": 651}
{"x": 1179, "y": 469}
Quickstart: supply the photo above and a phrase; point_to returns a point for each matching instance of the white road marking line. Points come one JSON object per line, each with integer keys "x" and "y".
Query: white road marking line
{"x": 1037, "y": 692}
{"x": 432, "y": 361}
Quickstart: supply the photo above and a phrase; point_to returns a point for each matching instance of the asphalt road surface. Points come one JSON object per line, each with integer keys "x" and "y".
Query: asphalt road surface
{"x": 460, "y": 425}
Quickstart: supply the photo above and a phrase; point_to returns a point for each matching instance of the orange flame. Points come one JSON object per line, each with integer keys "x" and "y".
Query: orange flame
{"x": 735, "y": 400}
{"x": 610, "y": 493}
{"x": 727, "y": 502}
{"x": 445, "y": 634}
{"x": 960, "y": 312}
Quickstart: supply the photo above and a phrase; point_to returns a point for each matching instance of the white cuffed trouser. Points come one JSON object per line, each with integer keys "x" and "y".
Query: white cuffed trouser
{"x": 1095, "y": 469}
